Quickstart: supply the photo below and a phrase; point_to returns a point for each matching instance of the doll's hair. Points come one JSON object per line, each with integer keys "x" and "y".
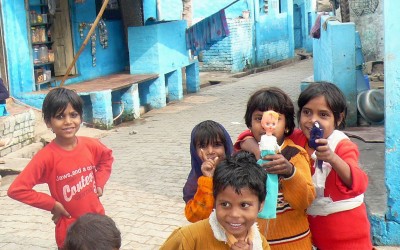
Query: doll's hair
{"x": 271, "y": 98}
{"x": 93, "y": 232}
{"x": 334, "y": 97}
{"x": 57, "y": 100}
{"x": 240, "y": 171}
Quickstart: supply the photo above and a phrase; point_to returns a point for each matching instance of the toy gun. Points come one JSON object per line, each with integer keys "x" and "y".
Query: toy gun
{"x": 317, "y": 132}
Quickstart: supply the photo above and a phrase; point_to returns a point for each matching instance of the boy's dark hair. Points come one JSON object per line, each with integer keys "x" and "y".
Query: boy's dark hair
{"x": 56, "y": 101}
{"x": 334, "y": 97}
{"x": 208, "y": 132}
{"x": 93, "y": 232}
{"x": 240, "y": 171}
{"x": 271, "y": 98}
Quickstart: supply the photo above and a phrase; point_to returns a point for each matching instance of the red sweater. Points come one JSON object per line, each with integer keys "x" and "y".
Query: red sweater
{"x": 348, "y": 229}
{"x": 72, "y": 177}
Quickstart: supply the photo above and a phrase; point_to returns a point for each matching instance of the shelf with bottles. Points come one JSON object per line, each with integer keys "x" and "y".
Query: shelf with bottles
{"x": 38, "y": 15}
{"x": 39, "y": 64}
{"x": 44, "y": 75}
{"x": 42, "y": 55}
{"x": 40, "y": 24}
{"x": 40, "y": 34}
{"x": 43, "y": 43}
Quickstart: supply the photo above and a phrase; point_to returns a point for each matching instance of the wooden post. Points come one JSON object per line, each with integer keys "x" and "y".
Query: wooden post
{"x": 92, "y": 29}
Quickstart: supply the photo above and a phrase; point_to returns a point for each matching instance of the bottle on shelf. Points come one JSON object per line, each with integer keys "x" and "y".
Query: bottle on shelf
{"x": 36, "y": 58}
{"x": 43, "y": 54}
{"x": 33, "y": 17}
{"x": 51, "y": 55}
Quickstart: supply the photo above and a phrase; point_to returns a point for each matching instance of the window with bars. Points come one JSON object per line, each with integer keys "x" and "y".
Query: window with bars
{"x": 266, "y": 5}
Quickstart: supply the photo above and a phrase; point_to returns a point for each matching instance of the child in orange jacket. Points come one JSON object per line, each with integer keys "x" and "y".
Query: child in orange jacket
{"x": 290, "y": 229}
{"x": 210, "y": 143}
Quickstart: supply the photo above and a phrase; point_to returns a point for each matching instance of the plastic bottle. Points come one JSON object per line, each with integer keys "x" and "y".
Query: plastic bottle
{"x": 43, "y": 54}
{"x": 36, "y": 54}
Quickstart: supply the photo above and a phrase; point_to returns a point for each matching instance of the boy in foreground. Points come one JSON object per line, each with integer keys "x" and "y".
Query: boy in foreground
{"x": 239, "y": 193}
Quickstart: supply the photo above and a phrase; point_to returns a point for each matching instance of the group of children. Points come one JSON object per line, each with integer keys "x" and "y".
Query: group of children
{"x": 320, "y": 207}
{"x": 317, "y": 207}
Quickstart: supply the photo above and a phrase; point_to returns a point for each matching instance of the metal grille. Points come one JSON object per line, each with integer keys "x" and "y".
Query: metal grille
{"x": 363, "y": 7}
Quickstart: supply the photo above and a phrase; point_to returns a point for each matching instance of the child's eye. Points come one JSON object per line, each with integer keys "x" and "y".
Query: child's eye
{"x": 59, "y": 117}
{"x": 225, "y": 204}
{"x": 324, "y": 115}
{"x": 74, "y": 115}
{"x": 218, "y": 144}
{"x": 306, "y": 112}
{"x": 245, "y": 205}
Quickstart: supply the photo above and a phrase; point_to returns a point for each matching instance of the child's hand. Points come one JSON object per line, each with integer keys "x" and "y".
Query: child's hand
{"x": 208, "y": 166}
{"x": 242, "y": 245}
{"x": 324, "y": 152}
{"x": 99, "y": 192}
{"x": 250, "y": 144}
{"x": 277, "y": 164}
{"x": 58, "y": 211}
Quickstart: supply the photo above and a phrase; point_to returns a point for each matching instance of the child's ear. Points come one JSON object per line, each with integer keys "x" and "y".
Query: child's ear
{"x": 48, "y": 124}
{"x": 261, "y": 206}
{"x": 340, "y": 120}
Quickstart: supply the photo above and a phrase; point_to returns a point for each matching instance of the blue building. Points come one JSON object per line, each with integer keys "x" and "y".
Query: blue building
{"x": 41, "y": 41}
{"x": 261, "y": 32}
{"x": 127, "y": 64}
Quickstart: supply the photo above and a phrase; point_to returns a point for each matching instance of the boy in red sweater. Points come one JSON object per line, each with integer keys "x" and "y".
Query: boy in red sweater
{"x": 75, "y": 168}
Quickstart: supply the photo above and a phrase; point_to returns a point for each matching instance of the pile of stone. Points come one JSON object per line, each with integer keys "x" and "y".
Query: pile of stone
{"x": 375, "y": 71}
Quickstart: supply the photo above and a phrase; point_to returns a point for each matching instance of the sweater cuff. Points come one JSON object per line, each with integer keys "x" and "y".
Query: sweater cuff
{"x": 206, "y": 182}
{"x": 290, "y": 177}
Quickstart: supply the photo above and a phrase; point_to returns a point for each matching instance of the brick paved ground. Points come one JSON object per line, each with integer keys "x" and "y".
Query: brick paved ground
{"x": 144, "y": 193}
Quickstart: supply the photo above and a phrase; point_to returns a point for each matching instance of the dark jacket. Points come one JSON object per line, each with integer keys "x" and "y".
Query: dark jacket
{"x": 3, "y": 92}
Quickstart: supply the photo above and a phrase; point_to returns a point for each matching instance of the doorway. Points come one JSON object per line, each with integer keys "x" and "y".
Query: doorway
{"x": 62, "y": 39}
{"x": 297, "y": 20}
{"x": 3, "y": 58}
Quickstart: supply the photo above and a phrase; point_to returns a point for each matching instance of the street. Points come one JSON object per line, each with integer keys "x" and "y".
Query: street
{"x": 152, "y": 161}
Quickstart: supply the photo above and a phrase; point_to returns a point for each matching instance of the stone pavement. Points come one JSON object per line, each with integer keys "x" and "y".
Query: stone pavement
{"x": 152, "y": 161}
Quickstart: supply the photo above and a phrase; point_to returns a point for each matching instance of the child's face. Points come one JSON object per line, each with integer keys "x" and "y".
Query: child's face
{"x": 317, "y": 110}
{"x": 237, "y": 212}
{"x": 65, "y": 125}
{"x": 258, "y": 130}
{"x": 211, "y": 151}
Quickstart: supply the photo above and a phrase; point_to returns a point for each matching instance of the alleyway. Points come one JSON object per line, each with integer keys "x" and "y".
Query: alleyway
{"x": 144, "y": 193}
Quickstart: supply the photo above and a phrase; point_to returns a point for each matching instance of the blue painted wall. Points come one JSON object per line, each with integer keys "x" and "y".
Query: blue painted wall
{"x": 233, "y": 53}
{"x": 269, "y": 37}
{"x": 19, "y": 50}
{"x": 17, "y": 47}
{"x": 307, "y": 16}
{"x": 334, "y": 61}
{"x": 386, "y": 229}
{"x": 202, "y": 9}
{"x": 110, "y": 60}
{"x": 149, "y": 9}
{"x": 272, "y": 39}
{"x": 157, "y": 48}
{"x": 172, "y": 9}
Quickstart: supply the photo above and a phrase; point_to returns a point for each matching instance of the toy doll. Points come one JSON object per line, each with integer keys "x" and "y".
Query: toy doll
{"x": 269, "y": 146}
